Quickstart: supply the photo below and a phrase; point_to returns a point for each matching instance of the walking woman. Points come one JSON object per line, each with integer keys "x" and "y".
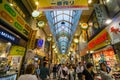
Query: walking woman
{"x": 71, "y": 73}
{"x": 29, "y": 73}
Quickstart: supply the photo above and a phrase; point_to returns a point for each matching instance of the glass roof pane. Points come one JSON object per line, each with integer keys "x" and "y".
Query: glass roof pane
{"x": 63, "y": 24}
{"x": 66, "y": 17}
{"x": 60, "y": 17}
{"x": 55, "y": 20}
{"x": 66, "y": 12}
{"x": 59, "y": 12}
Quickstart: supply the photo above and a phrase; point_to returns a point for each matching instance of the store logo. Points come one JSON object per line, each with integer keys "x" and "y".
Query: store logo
{"x": 7, "y": 35}
{"x": 115, "y": 30}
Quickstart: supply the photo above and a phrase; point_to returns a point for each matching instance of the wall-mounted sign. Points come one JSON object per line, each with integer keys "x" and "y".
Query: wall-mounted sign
{"x": 62, "y": 4}
{"x": 10, "y": 16}
{"x": 114, "y": 30}
{"x": 99, "y": 41}
{"x": 8, "y": 36}
{"x": 17, "y": 50}
{"x": 32, "y": 39}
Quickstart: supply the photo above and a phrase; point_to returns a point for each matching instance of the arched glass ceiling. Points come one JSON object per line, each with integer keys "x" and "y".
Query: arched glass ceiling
{"x": 63, "y": 25}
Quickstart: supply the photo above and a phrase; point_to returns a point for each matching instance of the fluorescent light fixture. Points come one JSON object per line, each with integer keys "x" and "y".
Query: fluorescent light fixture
{"x": 108, "y": 21}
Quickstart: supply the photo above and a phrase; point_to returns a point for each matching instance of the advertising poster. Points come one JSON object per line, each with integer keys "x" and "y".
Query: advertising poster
{"x": 114, "y": 30}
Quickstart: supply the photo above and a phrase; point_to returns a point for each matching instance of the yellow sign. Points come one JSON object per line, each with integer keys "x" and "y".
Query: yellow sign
{"x": 17, "y": 50}
{"x": 63, "y": 4}
{"x": 101, "y": 40}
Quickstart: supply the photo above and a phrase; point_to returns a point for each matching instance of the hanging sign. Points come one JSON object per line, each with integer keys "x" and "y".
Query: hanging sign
{"x": 100, "y": 13}
{"x": 63, "y": 4}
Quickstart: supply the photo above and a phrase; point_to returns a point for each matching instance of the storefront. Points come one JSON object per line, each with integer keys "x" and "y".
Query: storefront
{"x": 102, "y": 50}
{"x": 14, "y": 34}
{"x": 8, "y": 40}
{"x": 106, "y": 55}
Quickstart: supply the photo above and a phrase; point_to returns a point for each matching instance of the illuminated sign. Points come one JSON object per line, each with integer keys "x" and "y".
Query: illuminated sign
{"x": 7, "y": 35}
{"x": 62, "y": 4}
{"x": 98, "y": 40}
{"x": 40, "y": 43}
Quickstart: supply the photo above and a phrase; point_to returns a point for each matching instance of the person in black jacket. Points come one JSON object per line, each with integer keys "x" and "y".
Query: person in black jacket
{"x": 88, "y": 73}
{"x": 44, "y": 72}
{"x": 54, "y": 71}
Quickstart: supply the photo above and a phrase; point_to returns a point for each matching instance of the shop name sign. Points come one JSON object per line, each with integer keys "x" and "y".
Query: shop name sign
{"x": 98, "y": 39}
{"x": 62, "y": 4}
{"x": 6, "y": 35}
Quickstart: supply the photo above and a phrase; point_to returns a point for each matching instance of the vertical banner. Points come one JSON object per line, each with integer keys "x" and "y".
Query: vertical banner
{"x": 100, "y": 13}
{"x": 31, "y": 43}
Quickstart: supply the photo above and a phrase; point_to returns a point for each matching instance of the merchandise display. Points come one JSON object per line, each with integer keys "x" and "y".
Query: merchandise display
{"x": 108, "y": 56}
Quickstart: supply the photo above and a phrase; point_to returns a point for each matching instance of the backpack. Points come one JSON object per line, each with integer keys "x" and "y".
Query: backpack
{"x": 64, "y": 72}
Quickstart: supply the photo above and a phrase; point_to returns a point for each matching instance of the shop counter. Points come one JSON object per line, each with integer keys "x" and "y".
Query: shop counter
{"x": 8, "y": 76}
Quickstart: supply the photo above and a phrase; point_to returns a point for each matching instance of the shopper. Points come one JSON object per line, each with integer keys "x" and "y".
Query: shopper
{"x": 29, "y": 73}
{"x": 105, "y": 72}
{"x": 88, "y": 73}
{"x": 63, "y": 72}
{"x": 71, "y": 73}
{"x": 79, "y": 70}
{"x": 54, "y": 71}
{"x": 44, "y": 72}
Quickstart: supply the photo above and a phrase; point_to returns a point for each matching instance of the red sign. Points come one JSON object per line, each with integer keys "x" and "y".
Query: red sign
{"x": 115, "y": 30}
{"x": 98, "y": 40}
